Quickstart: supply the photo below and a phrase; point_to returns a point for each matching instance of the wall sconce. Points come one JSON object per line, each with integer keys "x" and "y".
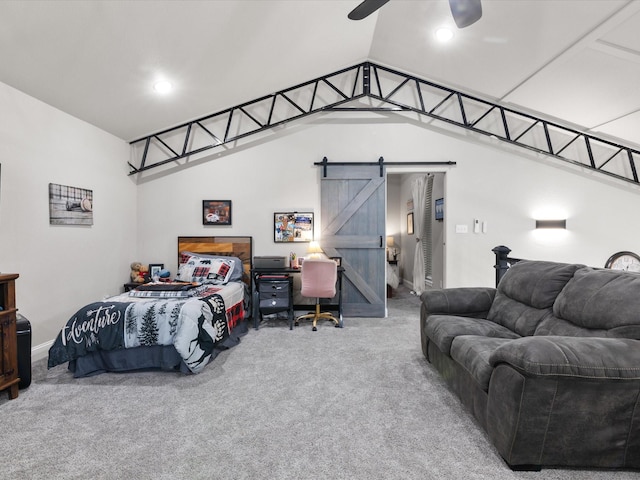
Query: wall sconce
{"x": 562, "y": 224}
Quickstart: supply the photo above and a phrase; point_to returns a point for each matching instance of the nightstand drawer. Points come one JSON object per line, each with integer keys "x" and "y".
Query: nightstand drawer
{"x": 269, "y": 287}
{"x": 275, "y": 302}
{"x": 274, "y": 294}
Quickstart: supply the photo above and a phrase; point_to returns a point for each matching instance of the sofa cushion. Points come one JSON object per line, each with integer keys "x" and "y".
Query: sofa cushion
{"x": 472, "y": 352}
{"x": 462, "y": 301}
{"x": 552, "y": 325}
{"x": 597, "y": 299}
{"x": 527, "y": 292}
{"x": 594, "y": 358}
{"x": 442, "y": 329}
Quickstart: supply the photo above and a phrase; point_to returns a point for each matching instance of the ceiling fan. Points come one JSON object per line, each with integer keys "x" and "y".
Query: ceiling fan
{"x": 465, "y": 12}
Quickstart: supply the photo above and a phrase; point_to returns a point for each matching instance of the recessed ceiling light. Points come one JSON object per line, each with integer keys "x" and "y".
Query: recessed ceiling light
{"x": 444, "y": 34}
{"x": 162, "y": 87}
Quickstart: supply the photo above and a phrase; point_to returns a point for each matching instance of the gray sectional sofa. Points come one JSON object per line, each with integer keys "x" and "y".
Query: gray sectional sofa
{"x": 548, "y": 363}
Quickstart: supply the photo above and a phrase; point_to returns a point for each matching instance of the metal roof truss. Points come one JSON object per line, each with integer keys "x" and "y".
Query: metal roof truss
{"x": 371, "y": 87}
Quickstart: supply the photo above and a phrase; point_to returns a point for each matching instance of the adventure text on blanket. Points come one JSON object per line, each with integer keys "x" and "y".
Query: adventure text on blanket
{"x": 192, "y": 325}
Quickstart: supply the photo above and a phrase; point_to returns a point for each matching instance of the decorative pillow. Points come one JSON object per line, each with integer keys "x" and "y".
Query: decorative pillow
{"x": 196, "y": 267}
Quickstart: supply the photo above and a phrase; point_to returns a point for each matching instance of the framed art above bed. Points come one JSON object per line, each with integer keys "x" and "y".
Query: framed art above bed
{"x": 216, "y": 212}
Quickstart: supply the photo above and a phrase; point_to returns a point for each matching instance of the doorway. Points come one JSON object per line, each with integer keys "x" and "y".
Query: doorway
{"x": 399, "y": 207}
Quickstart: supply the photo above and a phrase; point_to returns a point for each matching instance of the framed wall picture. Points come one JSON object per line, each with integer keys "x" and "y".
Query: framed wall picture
{"x": 216, "y": 212}
{"x": 70, "y": 205}
{"x": 410, "y": 223}
{"x": 439, "y": 210}
{"x": 292, "y": 226}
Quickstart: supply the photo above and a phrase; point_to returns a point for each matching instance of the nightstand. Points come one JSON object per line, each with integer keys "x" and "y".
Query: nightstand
{"x": 275, "y": 294}
{"x": 130, "y": 286}
{"x": 394, "y": 266}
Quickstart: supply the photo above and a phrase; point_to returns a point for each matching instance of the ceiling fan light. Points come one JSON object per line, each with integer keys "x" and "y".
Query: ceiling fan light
{"x": 162, "y": 86}
{"x": 444, "y": 34}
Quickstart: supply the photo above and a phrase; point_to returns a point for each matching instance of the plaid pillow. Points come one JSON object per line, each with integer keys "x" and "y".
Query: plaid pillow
{"x": 194, "y": 268}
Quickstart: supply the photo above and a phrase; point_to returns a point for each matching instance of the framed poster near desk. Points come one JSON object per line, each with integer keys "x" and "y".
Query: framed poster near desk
{"x": 292, "y": 227}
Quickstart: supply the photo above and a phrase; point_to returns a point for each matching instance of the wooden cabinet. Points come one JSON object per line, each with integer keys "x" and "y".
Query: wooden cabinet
{"x": 8, "y": 336}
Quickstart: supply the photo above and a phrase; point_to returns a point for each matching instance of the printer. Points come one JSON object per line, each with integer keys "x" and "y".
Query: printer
{"x": 270, "y": 262}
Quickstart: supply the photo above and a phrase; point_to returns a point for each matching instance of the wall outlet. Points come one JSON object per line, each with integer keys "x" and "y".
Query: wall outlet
{"x": 462, "y": 229}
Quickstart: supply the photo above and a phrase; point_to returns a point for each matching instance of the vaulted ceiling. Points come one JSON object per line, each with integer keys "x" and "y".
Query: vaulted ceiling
{"x": 575, "y": 61}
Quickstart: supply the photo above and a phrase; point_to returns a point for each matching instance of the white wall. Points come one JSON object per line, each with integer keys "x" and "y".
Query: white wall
{"x": 502, "y": 187}
{"x": 61, "y": 267}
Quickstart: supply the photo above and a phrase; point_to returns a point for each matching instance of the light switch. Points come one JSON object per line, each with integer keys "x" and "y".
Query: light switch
{"x": 462, "y": 229}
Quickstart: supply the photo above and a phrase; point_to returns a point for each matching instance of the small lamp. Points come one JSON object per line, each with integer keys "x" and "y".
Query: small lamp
{"x": 314, "y": 250}
{"x": 392, "y": 250}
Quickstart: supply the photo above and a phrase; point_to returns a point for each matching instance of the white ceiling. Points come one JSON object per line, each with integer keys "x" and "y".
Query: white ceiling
{"x": 577, "y": 61}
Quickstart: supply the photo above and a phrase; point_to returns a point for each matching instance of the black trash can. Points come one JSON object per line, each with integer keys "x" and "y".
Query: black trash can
{"x": 23, "y": 328}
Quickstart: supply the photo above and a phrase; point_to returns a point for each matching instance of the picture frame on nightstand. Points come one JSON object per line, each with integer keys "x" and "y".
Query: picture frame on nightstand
{"x": 155, "y": 268}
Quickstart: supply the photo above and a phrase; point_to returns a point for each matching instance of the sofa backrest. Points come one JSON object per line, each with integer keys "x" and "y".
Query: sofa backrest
{"x": 597, "y": 302}
{"x": 527, "y": 292}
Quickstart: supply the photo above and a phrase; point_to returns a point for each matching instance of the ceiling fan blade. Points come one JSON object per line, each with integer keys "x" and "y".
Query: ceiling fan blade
{"x": 366, "y": 8}
{"x": 465, "y": 12}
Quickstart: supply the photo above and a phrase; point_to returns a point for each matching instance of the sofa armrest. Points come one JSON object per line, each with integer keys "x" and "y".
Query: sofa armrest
{"x": 584, "y": 357}
{"x": 462, "y": 301}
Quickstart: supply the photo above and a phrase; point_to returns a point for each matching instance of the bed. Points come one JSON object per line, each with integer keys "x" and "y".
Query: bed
{"x": 180, "y": 325}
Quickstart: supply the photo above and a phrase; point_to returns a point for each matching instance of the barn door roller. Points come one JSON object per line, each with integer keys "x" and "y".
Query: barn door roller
{"x": 325, "y": 163}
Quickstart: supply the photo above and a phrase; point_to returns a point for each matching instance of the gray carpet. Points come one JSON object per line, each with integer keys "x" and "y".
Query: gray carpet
{"x": 353, "y": 403}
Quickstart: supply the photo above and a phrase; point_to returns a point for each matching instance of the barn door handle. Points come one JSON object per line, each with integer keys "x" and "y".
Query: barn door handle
{"x": 380, "y": 241}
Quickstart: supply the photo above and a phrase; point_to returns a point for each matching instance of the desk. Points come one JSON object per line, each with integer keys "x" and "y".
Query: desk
{"x": 256, "y": 272}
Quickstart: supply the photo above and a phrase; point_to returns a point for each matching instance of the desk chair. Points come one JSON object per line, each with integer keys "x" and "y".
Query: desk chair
{"x": 318, "y": 279}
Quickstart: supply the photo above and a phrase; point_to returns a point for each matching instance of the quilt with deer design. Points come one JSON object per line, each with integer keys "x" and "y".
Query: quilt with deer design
{"x": 194, "y": 326}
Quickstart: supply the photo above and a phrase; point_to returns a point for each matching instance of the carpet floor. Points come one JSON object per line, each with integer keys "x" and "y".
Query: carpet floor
{"x": 354, "y": 403}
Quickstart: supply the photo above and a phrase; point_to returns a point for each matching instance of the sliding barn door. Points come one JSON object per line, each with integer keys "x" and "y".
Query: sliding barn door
{"x": 353, "y": 227}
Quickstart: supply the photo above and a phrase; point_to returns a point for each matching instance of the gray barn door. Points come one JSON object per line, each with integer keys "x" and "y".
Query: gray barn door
{"x": 353, "y": 227}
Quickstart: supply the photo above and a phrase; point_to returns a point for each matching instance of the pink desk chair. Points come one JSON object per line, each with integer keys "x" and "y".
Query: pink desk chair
{"x": 318, "y": 280}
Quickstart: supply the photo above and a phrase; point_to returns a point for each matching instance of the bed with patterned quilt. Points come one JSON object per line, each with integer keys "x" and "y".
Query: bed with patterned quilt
{"x": 179, "y": 325}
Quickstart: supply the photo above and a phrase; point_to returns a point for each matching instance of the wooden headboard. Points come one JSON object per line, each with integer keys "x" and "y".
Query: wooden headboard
{"x": 241, "y": 247}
